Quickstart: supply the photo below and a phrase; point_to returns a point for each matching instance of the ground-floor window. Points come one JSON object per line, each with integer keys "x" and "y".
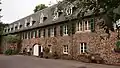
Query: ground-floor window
{"x": 65, "y": 49}
{"x": 83, "y": 48}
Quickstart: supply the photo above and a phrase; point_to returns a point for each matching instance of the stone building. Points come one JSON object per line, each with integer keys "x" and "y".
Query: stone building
{"x": 52, "y": 28}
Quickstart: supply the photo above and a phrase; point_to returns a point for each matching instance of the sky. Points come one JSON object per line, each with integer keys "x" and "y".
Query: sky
{"x": 13, "y": 10}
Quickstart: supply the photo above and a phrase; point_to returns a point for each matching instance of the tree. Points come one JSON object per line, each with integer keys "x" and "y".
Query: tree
{"x": 39, "y": 7}
{"x": 107, "y": 6}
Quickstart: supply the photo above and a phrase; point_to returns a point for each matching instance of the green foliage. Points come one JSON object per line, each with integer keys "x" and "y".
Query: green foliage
{"x": 13, "y": 39}
{"x": 39, "y": 7}
{"x": 8, "y": 52}
{"x": 11, "y": 52}
{"x": 118, "y": 44}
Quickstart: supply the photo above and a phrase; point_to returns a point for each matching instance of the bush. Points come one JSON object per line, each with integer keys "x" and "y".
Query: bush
{"x": 11, "y": 52}
{"x": 8, "y": 52}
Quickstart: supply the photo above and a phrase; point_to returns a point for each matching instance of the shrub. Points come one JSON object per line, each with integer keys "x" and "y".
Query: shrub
{"x": 46, "y": 51}
{"x": 8, "y": 52}
{"x": 11, "y": 52}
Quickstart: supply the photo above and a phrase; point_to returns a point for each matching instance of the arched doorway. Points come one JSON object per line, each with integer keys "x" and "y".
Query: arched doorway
{"x": 37, "y": 49}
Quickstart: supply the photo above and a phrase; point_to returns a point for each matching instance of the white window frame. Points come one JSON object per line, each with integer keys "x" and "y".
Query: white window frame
{"x": 52, "y": 32}
{"x": 83, "y": 47}
{"x": 79, "y": 26}
{"x": 65, "y": 30}
{"x": 55, "y": 14}
{"x": 65, "y": 49}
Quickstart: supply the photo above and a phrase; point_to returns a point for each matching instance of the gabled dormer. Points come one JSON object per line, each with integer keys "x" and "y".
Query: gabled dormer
{"x": 42, "y": 18}
{"x": 57, "y": 13}
{"x": 69, "y": 9}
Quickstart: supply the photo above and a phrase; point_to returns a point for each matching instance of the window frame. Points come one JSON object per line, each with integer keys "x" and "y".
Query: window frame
{"x": 84, "y": 47}
{"x": 65, "y": 49}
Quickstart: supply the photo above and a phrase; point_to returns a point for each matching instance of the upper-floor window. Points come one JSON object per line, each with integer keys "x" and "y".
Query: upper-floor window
{"x": 69, "y": 9}
{"x": 55, "y": 16}
{"x": 42, "y": 18}
{"x": 83, "y": 26}
{"x": 16, "y": 27}
{"x": 83, "y": 48}
{"x": 5, "y": 30}
{"x": 65, "y": 30}
{"x": 52, "y": 32}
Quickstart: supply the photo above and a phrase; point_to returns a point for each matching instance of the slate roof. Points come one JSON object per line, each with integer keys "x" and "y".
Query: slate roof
{"x": 47, "y": 12}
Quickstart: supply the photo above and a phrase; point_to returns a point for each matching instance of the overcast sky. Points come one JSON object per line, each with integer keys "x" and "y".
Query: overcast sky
{"x": 13, "y": 10}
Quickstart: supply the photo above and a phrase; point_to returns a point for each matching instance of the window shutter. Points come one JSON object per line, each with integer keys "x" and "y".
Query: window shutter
{"x": 61, "y": 30}
{"x": 54, "y": 31}
{"x": 48, "y": 32}
{"x": 92, "y": 23}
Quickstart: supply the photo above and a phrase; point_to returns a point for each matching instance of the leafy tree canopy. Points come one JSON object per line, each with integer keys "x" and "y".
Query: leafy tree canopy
{"x": 39, "y": 7}
{"x": 12, "y": 39}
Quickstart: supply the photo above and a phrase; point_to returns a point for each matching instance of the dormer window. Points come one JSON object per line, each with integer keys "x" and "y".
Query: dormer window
{"x": 33, "y": 22}
{"x": 5, "y": 30}
{"x": 28, "y": 24}
{"x": 56, "y": 14}
{"x": 69, "y": 9}
{"x": 20, "y": 26}
{"x": 16, "y": 27}
{"x": 42, "y": 18}
{"x": 8, "y": 29}
{"x": 12, "y": 29}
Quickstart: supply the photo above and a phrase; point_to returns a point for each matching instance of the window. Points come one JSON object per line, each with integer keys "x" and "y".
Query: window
{"x": 65, "y": 49}
{"x": 83, "y": 26}
{"x": 65, "y": 30}
{"x": 55, "y": 14}
{"x": 35, "y": 34}
{"x": 5, "y": 30}
{"x": 51, "y": 32}
{"x": 69, "y": 9}
{"x": 42, "y": 18}
{"x": 39, "y": 33}
{"x": 83, "y": 48}
{"x": 12, "y": 29}
{"x": 16, "y": 27}
{"x": 42, "y": 33}
{"x": 20, "y": 26}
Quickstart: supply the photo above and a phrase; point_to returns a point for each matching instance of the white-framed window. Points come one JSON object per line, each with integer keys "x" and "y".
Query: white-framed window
{"x": 83, "y": 48}
{"x": 69, "y": 9}
{"x": 52, "y": 32}
{"x": 65, "y": 49}
{"x": 65, "y": 30}
{"x": 83, "y": 26}
{"x": 56, "y": 14}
